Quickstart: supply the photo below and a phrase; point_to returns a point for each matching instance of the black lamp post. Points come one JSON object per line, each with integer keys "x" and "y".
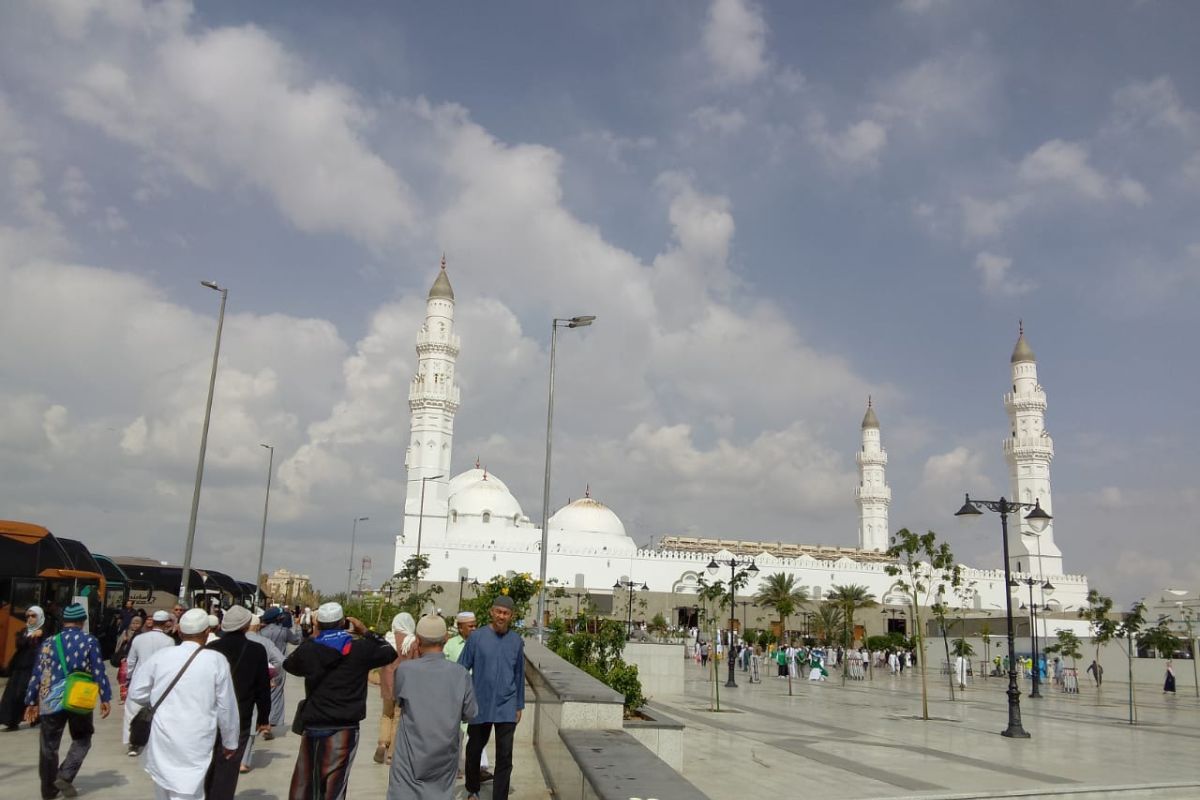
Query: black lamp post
{"x": 750, "y": 570}
{"x": 629, "y": 586}
{"x": 1038, "y": 519}
{"x": 1033, "y": 637}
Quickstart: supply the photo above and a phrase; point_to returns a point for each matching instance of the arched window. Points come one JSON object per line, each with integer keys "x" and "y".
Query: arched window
{"x": 454, "y": 515}
{"x": 487, "y": 517}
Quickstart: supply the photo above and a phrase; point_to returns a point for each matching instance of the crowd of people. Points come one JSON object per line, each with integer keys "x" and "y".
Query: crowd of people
{"x": 198, "y": 689}
{"x": 799, "y": 661}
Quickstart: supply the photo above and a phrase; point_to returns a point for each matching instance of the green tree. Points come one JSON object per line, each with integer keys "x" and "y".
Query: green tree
{"x": 849, "y": 598}
{"x": 403, "y": 589}
{"x": 1128, "y": 629}
{"x": 1160, "y": 639}
{"x": 985, "y": 633}
{"x": 830, "y": 622}
{"x": 780, "y": 592}
{"x": 923, "y": 570}
{"x": 963, "y": 648}
{"x": 1067, "y": 646}
{"x": 1097, "y": 613}
{"x": 520, "y": 586}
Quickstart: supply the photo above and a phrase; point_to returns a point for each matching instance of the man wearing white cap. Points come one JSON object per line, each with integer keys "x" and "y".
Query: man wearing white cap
{"x": 200, "y": 706}
{"x": 334, "y": 664}
{"x": 144, "y": 645}
{"x": 433, "y": 697}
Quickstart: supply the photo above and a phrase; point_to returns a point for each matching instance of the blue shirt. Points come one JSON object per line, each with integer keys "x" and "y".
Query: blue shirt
{"x": 81, "y": 652}
{"x": 497, "y": 667}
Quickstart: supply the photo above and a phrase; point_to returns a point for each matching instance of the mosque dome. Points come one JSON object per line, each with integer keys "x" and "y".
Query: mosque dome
{"x": 486, "y": 498}
{"x": 464, "y": 479}
{"x": 441, "y": 286}
{"x": 1022, "y": 352}
{"x": 594, "y": 523}
{"x": 869, "y": 419}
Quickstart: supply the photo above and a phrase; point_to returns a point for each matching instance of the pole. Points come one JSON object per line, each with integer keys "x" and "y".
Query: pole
{"x": 629, "y": 611}
{"x": 1014, "y": 729}
{"x": 421, "y": 515}
{"x": 350, "y": 568}
{"x": 212, "y": 383}
{"x": 541, "y": 606}
{"x": 733, "y": 564}
{"x": 1034, "y": 643}
{"x": 262, "y": 543}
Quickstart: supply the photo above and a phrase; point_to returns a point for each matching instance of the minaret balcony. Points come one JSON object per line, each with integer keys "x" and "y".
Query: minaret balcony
{"x": 439, "y": 394}
{"x": 1024, "y": 401}
{"x": 437, "y": 342}
{"x": 1030, "y": 446}
{"x": 871, "y": 459}
{"x": 867, "y": 494}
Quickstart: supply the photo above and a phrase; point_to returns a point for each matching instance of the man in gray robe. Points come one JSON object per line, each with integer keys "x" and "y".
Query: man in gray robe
{"x": 278, "y": 628}
{"x": 433, "y": 696}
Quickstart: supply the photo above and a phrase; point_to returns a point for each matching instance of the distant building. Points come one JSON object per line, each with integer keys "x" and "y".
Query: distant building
{"x": 285, "y": 586}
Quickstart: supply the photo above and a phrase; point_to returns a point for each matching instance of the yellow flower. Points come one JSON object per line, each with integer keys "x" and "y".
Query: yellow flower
{"x": 504, "y": 590}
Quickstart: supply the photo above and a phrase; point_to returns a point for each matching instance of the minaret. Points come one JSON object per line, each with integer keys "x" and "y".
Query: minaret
{"x": 432, "y": 401}
{"x": 1029, "y": 451}
{"x": 873, "y": 495}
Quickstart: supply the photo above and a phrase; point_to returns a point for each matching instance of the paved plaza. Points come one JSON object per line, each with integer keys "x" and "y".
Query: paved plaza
{"x": 864, "y": 740}
{"x": 109, "y": 773}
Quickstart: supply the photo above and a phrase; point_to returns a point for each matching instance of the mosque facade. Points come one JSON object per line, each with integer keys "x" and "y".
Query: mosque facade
{"x": 472, "y": 527}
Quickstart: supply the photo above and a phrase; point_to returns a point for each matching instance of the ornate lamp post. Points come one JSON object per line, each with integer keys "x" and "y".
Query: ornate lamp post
{"x": 555, "y": 324}
{"x": 750, "y": 570}
{"x": 350, "y": 569}
{"x": 1038, "y": 519}
{"x": 262, "y": 543}
{"x": 629, "y": 586}
{"x": 421, "y": 513}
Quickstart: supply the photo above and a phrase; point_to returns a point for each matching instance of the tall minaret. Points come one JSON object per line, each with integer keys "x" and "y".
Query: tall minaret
{"x": 433, "y": 401}
{"x": 1029, "y": 451}
{"x": 873, "y": 495}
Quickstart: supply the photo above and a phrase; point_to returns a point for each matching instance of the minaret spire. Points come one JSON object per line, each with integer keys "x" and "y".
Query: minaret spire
{"x": 872, "y": 494}
{"x": 1028, "y": 449}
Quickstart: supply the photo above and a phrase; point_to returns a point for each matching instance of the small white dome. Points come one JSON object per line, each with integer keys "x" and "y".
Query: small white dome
{"x": 485, "y": 496}
{"x": 590, "y": 523}
{"x": 464, "y": 479}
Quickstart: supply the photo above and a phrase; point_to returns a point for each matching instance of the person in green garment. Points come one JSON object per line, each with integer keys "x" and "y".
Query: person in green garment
{"x": 781, "y": 659}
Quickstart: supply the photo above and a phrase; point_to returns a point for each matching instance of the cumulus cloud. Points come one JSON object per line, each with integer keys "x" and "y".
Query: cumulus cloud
{"x": 955, "y": 90}
{"x": 735, "y": 41}
{"x": 1067, "y": 164}
{"x": 947, "y": 473}
{"x": 997, "y": 278}
{"x": 712, "y": 119}
{"x": 858, "y": 146}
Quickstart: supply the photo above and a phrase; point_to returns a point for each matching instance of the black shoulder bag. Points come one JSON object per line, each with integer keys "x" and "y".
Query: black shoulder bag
{"x": 139, "y": 726}
{"x": 298, "y": 719}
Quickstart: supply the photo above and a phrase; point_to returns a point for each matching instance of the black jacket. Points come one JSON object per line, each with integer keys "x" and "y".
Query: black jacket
{"x": 335, "y": 685}
{"x": 251, "y": 681}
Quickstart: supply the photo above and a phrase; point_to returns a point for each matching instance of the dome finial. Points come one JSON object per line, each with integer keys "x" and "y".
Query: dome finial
{"x": 485, "y": 473}
{"x": 443, "y": 259}
{"x": 869, "y": 419}
{"x": 1022, "y": 352}
{"x": 476, "y": 462}
{"x": 587, "y": 492}
{"x": 441, "y": 286}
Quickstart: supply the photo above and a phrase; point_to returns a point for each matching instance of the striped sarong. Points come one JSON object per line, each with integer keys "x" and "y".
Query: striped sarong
{"x": 323, "y": 766}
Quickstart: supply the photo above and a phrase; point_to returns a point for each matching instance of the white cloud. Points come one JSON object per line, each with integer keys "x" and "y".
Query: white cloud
{"x": 231, "y": 106}
{"x": 997, "y": 278}
{"x": 735, "y": 41}
{"x": 946, "y": 474}
{"x": 76, "y": 191}
{"x": 859, "y": 146}
{"x": 1067, "y": 164}
{"x": 1153, "y": 104}
{"x": 723, "y": 122}
{"x": 955, "y": 90}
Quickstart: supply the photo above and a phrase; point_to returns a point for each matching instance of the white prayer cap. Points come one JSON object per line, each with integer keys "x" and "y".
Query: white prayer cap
{"x": 161, "y": 616}
{"x": 464, "y": 616}
{"x": 236, "y": 618}
{"x": 330, "y": 612}
{"x": 193, "y": 622}
{"x": 213, "y": 622}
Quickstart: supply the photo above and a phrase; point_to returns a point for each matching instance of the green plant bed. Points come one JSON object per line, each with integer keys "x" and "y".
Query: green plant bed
{"x": 596, "y": 649}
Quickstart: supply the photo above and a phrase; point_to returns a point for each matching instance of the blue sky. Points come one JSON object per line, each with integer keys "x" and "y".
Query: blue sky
{"x": 774, "y": 209}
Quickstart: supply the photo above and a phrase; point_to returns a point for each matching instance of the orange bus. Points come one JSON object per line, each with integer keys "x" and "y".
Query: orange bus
{"x": 36, "y": 569}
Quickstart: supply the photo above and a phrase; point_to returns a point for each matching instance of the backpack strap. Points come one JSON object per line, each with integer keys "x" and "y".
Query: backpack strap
{"x": 59, "y": 649}
{"x": 191, "y": 658}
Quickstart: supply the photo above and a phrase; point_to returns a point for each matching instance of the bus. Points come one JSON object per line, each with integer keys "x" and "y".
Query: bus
{"x": 156, "y": 584}
{"x": 37, "y": 568}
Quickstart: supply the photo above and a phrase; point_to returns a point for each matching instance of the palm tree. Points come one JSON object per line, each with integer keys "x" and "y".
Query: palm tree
{"x": 780, "y": 592}
{"x": 850, "y": 599}
{"x": 829, "y": 620}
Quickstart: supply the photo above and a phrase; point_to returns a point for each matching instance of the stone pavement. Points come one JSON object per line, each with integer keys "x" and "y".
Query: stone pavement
{"x": 109, "y": 774}
{"x": 866, "y": 740}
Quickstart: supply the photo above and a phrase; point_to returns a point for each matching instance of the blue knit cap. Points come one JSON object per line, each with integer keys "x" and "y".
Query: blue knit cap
{"x": 74, "y": 613}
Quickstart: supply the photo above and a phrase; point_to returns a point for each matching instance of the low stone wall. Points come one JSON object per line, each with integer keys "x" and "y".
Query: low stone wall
{"x": 581, "y": 742}
{"x": 660, "y": 666}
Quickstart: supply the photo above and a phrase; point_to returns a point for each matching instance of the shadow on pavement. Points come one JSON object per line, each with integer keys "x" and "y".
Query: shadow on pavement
{"x": 92, "y": 781}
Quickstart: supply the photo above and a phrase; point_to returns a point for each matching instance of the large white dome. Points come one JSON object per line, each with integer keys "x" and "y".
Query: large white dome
{"x": 489, "y": 500}
{"x": 464, "y": 479}
{"x": 589, "y": 523}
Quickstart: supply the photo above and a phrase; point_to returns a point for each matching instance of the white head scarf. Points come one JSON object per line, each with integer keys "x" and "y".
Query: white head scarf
{"x": 38, "y": 622}
{"x": 403, "y": 634}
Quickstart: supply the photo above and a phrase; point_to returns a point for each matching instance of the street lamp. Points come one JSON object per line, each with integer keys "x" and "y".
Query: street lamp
{"x": 629, "y": 586}
{"x": 350, "y": 569}
{"x": 212, "y": 383}
{"x": 462, "y": 581}
{"x": 1033, "y": 609}
{"x": 750, "y": 570}
{"x": 262, "y": 543}
{"x": 1038, "y": 519}
{"x": 555, "y": 324}
{"x": 743, "y": 604}
{"x": 421, "y": 516}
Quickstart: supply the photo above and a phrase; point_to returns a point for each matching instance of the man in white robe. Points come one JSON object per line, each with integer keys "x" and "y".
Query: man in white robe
{"x": 144, "y": 645}
{"x": 187, "y": 723}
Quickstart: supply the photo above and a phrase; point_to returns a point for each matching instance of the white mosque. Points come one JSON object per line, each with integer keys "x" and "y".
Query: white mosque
{"x": 472, "y": 527}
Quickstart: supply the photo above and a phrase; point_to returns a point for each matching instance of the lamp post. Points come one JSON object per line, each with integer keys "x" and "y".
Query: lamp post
{"x": 212, "y": 383}
{"x": 555, "y": 324}
{"x": 350, "y": 569}
{"x": 1038, "y": 519}
{"x": 421, "y": 515}
{"x": 744, "y": 604}
{"x": 629, "y": 586}
{"x": 750, "y": 570}
{"x": 262, "y": 543}
{"x": 1189, "y": 616}
{"x": 1033, "y": 609}
{"x": 462, "y": 581}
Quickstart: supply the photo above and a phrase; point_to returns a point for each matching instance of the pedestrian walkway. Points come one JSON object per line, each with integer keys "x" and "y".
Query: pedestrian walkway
{"x": 865, "y": 739}
{"x": 110, "y": 774}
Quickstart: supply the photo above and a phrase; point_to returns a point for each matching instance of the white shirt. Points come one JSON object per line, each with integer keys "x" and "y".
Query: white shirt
{"x": 145, "y": 645}
{"x": 185, "y": 725}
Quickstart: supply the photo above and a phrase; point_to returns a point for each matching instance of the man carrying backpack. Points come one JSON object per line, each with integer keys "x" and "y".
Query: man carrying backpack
{"x": 71, "y": 651}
